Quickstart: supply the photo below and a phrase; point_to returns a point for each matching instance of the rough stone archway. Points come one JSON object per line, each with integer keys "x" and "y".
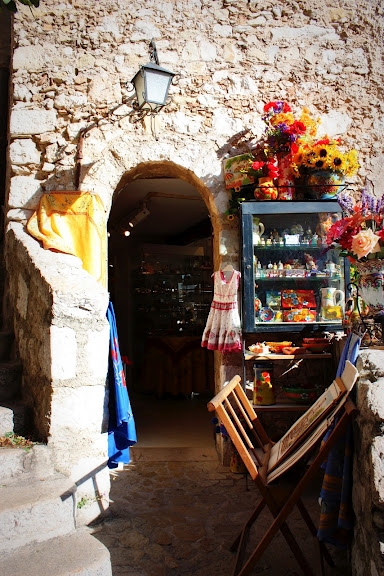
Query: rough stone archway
{"x": 169, "y": 169}
{"x": 58, "y": 310}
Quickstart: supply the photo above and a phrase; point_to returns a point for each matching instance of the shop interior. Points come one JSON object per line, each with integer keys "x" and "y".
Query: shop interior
{"x": 161, "y": 286}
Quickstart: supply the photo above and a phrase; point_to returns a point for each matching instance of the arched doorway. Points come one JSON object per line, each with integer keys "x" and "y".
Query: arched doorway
{"x": 160, "y": 267}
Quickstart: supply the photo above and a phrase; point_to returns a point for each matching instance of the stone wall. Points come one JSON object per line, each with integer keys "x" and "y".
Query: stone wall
{"x": 71, "y": 64}
{"x": 368, "y": 489}
{"x": 62, "y": 335}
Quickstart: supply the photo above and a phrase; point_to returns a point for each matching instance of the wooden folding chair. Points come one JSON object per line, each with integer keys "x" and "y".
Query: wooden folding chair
{"x": 266, "y": 460}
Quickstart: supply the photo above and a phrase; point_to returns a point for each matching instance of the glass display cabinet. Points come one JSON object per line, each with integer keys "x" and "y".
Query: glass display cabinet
{"x": 172, "y": 290}
{"x": 292, "y": 282}
{"x": 172, "y": 295}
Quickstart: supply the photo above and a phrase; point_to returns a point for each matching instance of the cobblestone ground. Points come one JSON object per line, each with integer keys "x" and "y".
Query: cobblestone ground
{"x": 179, "y": 519}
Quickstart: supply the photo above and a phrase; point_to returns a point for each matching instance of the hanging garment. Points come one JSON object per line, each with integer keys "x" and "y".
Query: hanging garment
{"x": 336, "y": 514}
{"x": 75, "y": 223}
{"x": 222, "y": 331}
{"x": 121, "y": 427}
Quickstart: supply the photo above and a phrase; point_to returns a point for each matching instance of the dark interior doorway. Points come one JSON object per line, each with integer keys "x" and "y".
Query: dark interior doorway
{"x": 160, "y": 267}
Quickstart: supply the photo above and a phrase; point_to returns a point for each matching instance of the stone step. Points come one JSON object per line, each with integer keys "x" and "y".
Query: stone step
{"x": 10, "y": 380}
{"x": 77, "y": 554}
{"x": 35, "y": 461}
{"x": 173, "y": 454}
{"x": 33, "y": 510}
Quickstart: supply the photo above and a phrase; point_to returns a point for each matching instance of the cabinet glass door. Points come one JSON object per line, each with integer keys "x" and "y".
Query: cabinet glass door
{"x": 291, "y": 279}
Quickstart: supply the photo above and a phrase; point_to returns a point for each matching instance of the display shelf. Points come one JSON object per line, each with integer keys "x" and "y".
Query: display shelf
{"x": 172, "y": 294}
{"x": 270, "y": 357}
{"x": 296, "y": 259}
{"x": 293, "y": 286}
{"x": 311, "y": 278}
{"x": 285, "y": 247}
{"x": 281, "y": 407}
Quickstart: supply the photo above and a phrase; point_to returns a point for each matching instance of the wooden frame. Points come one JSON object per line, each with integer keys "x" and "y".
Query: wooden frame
{"x": 258, "y": 453}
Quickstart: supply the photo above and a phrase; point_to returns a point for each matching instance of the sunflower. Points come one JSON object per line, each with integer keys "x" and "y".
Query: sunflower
{"x": 324, "y": 154}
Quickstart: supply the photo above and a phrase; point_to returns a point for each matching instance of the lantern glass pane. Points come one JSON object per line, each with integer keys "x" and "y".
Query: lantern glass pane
{"x": 157, "y": 84}
{"x": 140, "y": 88}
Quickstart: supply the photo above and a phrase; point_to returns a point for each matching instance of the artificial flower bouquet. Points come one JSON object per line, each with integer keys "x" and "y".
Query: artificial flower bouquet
{"x": 290, "y": 144}
{"x": 360, "y": 233}
{"x": 323, "y": 154}
{"x": 282, "y": 129}
{"x": 290, "y": 162}
{"x": 263, "y": 168}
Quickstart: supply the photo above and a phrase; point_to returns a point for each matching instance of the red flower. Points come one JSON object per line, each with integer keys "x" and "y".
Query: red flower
{"x": 381, "y": 234}
{"x": 277, "y": 106}
{"x": 257, "y": 165}
{"x": 273, "y": 170}
{"x": 297, "y": 127}
{"x": 323, "y": 142}
{"x": 268, "y": 106}
{"x": 342, "y": 230}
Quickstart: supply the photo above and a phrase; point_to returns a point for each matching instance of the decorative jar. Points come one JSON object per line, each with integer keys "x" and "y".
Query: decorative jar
{"x": 262, "y": 386}
{"x": 324, "y": 184}
{"x": 266, "y": 190}
{"x": 371, "y": 284}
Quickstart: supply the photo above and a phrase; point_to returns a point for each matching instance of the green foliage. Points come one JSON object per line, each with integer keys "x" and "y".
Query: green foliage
{"x": 12, "y": 5}
{"x": 11, "y": 440}
{"x": 82, "y": 502}
{"x": 239, "y": 196}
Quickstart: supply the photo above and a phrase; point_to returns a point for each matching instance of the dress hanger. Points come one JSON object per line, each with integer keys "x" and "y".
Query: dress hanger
{"x": 228, "y": 268}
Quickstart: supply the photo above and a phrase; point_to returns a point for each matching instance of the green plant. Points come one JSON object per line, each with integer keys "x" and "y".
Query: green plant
{"x": 82, "y": 502}
{"x": 12, "y": 440}
{"x": 12, "y": 5}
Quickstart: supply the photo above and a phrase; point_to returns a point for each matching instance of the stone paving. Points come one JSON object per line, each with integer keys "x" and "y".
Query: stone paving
{"x": 179, "y": 518}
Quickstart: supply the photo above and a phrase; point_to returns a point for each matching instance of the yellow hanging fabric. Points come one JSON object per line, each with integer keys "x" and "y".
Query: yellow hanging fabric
{"x": 75, "y": 223}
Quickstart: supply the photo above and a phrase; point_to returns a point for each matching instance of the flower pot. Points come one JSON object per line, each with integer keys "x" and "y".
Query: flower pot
{"x": 371, "y": 284}
{"x": 324, "y": 184}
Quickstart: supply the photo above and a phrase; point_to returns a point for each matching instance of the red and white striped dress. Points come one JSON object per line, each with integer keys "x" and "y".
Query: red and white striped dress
{"x": 223, "y": 328}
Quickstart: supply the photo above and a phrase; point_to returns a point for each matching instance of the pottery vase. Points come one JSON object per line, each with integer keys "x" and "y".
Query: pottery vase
{"x": 371, "y": 284}
{"x": 285, "y": 181}
{"x": 324, "y": 184}
{"x": 266, "y": 190}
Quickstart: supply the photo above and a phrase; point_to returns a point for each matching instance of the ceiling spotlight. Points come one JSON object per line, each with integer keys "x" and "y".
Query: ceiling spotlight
{"x": 132, "y": 219}
{"x": 137, "y": 216}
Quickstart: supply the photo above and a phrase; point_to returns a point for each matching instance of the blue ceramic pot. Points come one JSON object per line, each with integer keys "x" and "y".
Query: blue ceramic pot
{"x": 324, "y": 184}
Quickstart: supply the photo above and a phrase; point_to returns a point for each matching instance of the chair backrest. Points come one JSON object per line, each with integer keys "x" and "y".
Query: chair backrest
{"x": 243, "y": 427}
{"x": 264, "y": 459}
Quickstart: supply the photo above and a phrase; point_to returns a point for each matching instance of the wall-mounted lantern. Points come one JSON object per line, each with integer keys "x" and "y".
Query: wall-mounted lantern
{"x": 151, "y": 84}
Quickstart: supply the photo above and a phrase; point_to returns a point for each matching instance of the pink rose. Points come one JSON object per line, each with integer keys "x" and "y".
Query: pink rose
{"x": 365, "y": 242}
